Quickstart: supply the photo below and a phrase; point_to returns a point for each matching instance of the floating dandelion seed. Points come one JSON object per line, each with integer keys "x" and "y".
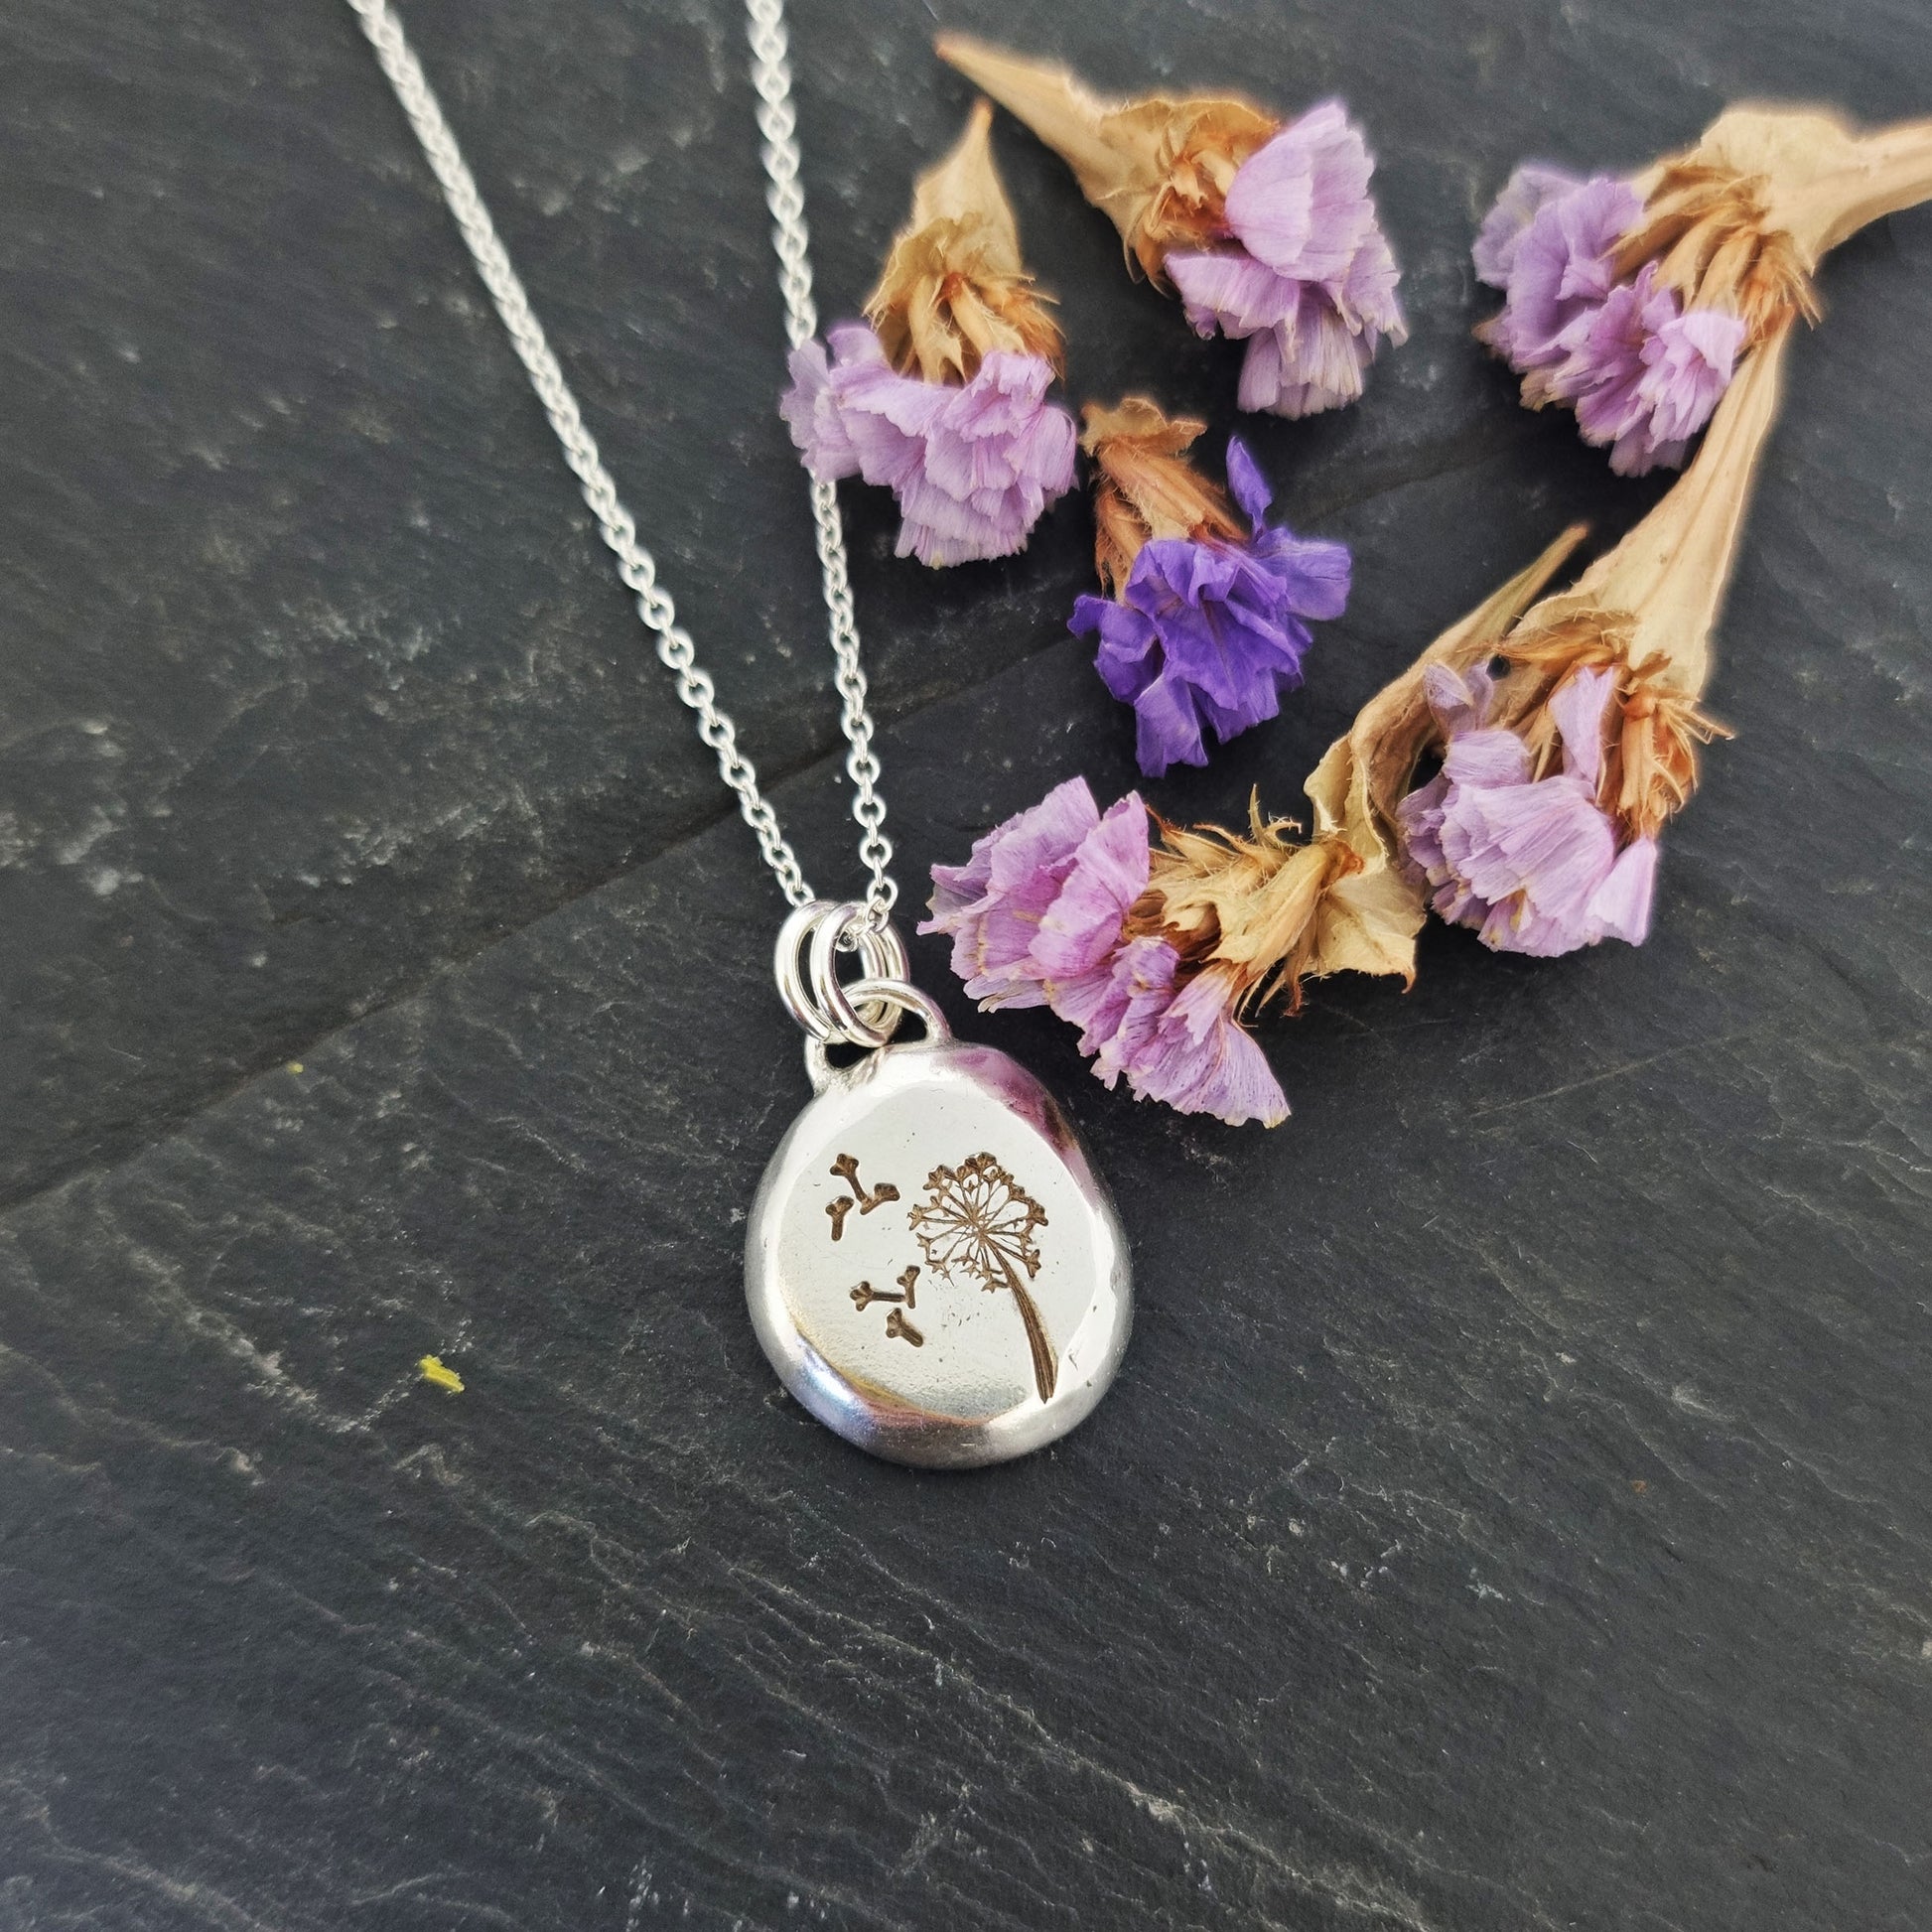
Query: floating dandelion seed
{"x": 977, "y": 1221}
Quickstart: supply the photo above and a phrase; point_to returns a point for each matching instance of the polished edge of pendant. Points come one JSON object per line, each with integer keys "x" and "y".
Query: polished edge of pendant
{"x": 866, "y": 1415}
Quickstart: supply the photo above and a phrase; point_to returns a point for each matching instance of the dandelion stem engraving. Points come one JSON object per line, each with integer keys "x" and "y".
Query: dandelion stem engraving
{"x": 977, "y": 1223}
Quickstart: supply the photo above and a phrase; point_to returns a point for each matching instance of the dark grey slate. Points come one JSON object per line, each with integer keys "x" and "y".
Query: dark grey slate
{"x": 1513, "y": 1514}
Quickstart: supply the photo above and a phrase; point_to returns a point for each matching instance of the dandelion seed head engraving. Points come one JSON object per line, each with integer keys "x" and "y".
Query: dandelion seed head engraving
{"x": 978, "y": 1223}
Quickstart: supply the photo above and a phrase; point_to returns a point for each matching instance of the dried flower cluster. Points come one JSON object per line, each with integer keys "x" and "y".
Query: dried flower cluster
{"x": 1564, "y": 731}
{"x": 1633, "y": 302}
{"x": 1267, "y": 231}
{"x": 1207, "y": 624}
{"x": 940, "y": 394}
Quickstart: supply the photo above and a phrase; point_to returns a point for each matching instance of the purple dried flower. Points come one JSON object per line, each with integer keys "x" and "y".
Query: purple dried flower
{"x": 1042, "y": 911}
{"x": 1503, "y": 227}
{"x": 1533, "y": 863}
{"x": 1642, "y": 373}
{"x": 1307, "y": 280}
{"x": 1209, "y": 632}
{"x": 973, "y": 466}
{"x": 1184, "y": 1045}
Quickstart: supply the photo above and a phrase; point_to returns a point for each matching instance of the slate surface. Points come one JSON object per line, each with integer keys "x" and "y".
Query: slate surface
{"x": 1513, "y": 1513}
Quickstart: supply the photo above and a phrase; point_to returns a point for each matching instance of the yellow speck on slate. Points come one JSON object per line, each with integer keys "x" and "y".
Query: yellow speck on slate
{"x": 433, "y": 1369}
{"x": 295, "y": 1066}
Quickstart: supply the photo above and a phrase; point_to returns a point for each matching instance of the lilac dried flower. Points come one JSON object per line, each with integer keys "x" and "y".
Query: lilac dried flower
{"x": 1306, "y": 277}
{"x": 941, "y": 395}
{"x": 1644, "y": 377}
{"x": 972, "y": 467}
{"x": 1503, "y": 227}
{"x": 1207, "y": 628}
{"x": 1054, "y": 906}
{"x": 1636, "y": 301}
{"x": 1568, "y": 724}
{"x": 1268, "y": 231}
{"x": 1534, "y": 864}
{"x": 1557, "y": 267}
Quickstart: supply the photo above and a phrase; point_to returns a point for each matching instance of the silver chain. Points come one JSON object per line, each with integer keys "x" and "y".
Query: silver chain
{"x": 771, "y": 75}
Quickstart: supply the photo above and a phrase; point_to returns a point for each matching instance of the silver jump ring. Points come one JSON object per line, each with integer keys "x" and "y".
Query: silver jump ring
{"x": 784, "y": 969}
{"x": 814, "y": 997}
{"x": 907, "y": 997}
{"x": 882, "y": 953}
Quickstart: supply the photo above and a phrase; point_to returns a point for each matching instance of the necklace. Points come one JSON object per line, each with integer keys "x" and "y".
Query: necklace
{"x": 931, "y": 1264}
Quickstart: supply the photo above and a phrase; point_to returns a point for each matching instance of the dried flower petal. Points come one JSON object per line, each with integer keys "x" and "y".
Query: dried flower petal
{"x": 1533, "y": 863}
{"x": 1307, "y": 276}
{"x": 993, "y": 904}
{"x": 972, "y": 467}
{"x": 1527, "y": 190}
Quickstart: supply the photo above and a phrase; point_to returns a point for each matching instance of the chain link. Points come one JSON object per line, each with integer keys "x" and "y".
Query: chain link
{"x": 777, "y": 122}
{"x": 785, "y": 197}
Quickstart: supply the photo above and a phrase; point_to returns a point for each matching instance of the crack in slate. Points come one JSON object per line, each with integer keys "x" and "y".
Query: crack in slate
{"x": 168, "y": 1125}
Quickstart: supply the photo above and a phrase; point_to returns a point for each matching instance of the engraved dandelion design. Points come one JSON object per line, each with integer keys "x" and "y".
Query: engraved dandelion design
{"x": 977, "y": 1223}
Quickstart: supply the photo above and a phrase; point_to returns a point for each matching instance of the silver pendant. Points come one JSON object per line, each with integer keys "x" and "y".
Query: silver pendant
{"x": 932, "y": 1267}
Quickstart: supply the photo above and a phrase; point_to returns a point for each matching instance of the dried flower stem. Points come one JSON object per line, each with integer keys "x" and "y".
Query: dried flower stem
{"x": 1742, "y": 221}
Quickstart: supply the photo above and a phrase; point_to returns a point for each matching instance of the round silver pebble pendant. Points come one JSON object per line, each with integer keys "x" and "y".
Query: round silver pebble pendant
{"x": 932, "y": 1266}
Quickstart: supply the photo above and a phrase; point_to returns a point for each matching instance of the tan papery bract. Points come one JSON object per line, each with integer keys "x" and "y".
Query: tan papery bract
{"x": 1159, "y": 168}
{"x": 1742, "y": 221}
{"x": 954, "y": 287}
{"x": 1646, "y": 610}
{"x": 1669, "y": 574}
{"x": 1143, "y": 486}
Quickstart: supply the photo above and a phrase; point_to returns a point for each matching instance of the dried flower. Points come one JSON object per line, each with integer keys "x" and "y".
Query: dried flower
{"x": 1206, "y": 626}
{"x": 1268, "y": 231}
{"x": 1636, "y": 301}
{"x": 941, "y": 394}
{"x": 1171, "y": 1029}
{"x": 1541, "y": 827}
{"x": 1159, "y": 953}
{"x": 994, "y": 903}
{"x": 1532, "y": 864}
